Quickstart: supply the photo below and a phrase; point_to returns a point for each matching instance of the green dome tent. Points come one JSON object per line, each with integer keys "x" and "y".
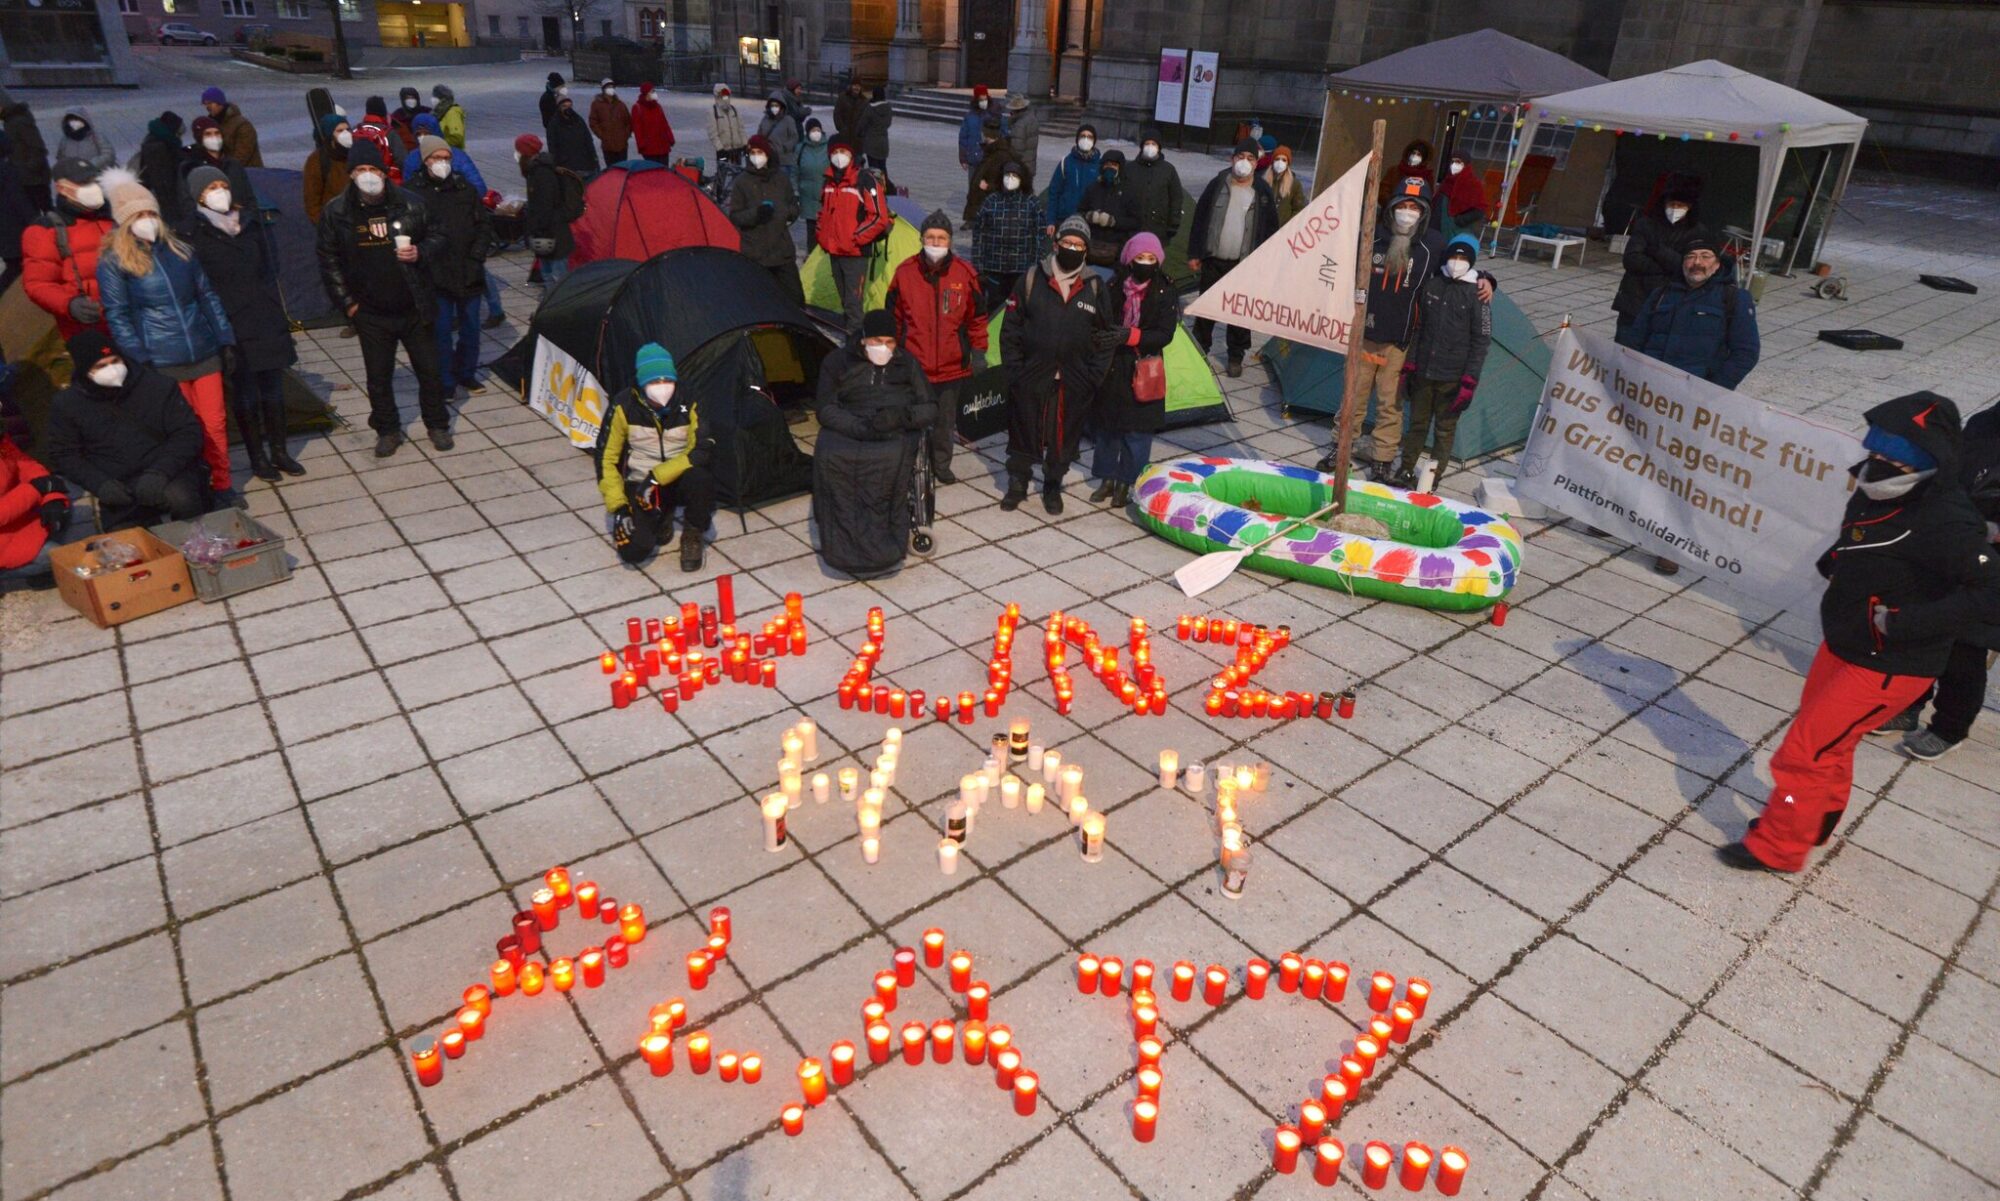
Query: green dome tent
{"x": 885, "y": 256}
{"x": 1193, "y": 396}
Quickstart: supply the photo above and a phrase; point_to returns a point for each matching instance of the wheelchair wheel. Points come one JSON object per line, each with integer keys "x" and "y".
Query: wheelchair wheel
{"x": 921, "y": 543}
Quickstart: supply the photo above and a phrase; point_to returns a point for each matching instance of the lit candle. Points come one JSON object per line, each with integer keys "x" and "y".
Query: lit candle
{"x": 1367, "y": 1050}
{"x": 1375, "y": 1160}
{"x": 850, "y": 783}
{"x": 822, "y": 787}
{"x": 586, "y": 898}
{"x": 544, "y": 905}
{"x": 728, "y": 1067}
{"x": 1451, "y": 1171}
{"x": 1401, "y": 1019}
{"x": 1142, "y": 977}
{"x": 1256, "y": 976}
{"x": 609, "y": 662}
{"x": 1150, "y": 1050}
{"x": 1381, "y": 990}
{"x": 947, "y": 854}
{"x": 934, "y": 947}
{"x": 1352, "y": 1073}
{"x": 509, "y": 948}
{"x": 1333, "y": 1095}
{"x": 1183, "y": 985}
{"x": 791, "y": 785}
{"x": 1090, "y": 838}
{"x": 472, "y": 1021}
{"x": 1149, "y": 1080}
{"x": 961, "y": 971}
{"x": 958, "y": 820}
{"x": 1312, "y": 982}
{"x": 1416, "y": 1166}
{"x": 1336, "y": 981}
{"x": 1145, "y": 1119}
{"x": 872, "y": 1011}
{"x": 1216, "y": 984}
{"x": 1246, "y": 776}
{"x": 452, "y": 1042}
{"x": 1006, "y": 1066}
{"x": 1079, "y": 808}
{"x": 871, "y": 849}
{"x": 1071, "y": 782}
{"x": 1312, "y": 1121}
{"x": 1052, "y": 769}
{"x": 1010, "y": 791}
{"x": 1034, "y": 798}
{"x": 720, "y": 922}
{"x": 752, "y": 1067}
{"x": 885, "y": 991}
{"x": 914, "y": 1035}
{"x": 1087, "y": 970}
{"x": 808, "y": 732}
{"x": 658, "y": 1051}
{"x": 1145, "y": 1019}
{"x": 792, "y": 1118}
{"x": 1285, "y": 1151}
{"x": 774, "y": 822}
{"x": 977, "y": 999}
{"x": 1170, "y": 768}
{"x": 1110, "y": 975}
{"x": 699, "y": 965}
{"x": 878, "y": 1035}
{"x": 562, "y": 974}
{"x": 812, "y": 1081}
{"x": 531, "y": 978}
{"x": 793, "y": 746}
{"x": 973, "y": 1039}
{"x": 1327, "y": 1158}
{"x": 502, "y": 973}
{"x": 998, "y": 1039}
{"x": 1417, "y": 994}
{"x": 842, "y": 1058}
{"x": 943, "y": 1034}
{"x": 591, "y": 965}
{"x": 632, "y": 925}
{"x": 428, "y": 1061}
{"x": 1027, "y": 1087}
{"x": 1196, "y": 777}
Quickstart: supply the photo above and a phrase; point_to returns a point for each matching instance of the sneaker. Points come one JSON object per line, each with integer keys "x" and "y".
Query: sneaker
{"x": 1102, "y": 492}
{"x": 691, "y": 548}
{"x": 493, "y": 322}
{"x": 474, "y": 386}
{"x": 1738, "y": 856}
{"x": 1903, "y": 723}
{"x": 1052, "y": 501}
{"x": 441, "y": 439}
{"x": 942, "y": 475}
{"x": 1926, "y": 745}
{"x": 1016, "y": 493}
{"x": 386, "y": 444}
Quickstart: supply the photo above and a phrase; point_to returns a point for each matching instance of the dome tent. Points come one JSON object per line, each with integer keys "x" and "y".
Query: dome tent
{"x": 635, "y": 210}
{"x": 743, "y": 351}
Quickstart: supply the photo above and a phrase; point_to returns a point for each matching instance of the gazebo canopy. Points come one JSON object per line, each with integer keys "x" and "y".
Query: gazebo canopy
{"x": 1486, "y": 65}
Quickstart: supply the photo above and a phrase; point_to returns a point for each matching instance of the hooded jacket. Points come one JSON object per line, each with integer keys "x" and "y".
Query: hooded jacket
{"x": 461, "y": 162}
{"x": 1024, "y": 134}
{"x": 450, "y": 117}
{"x": 986, "y": 177}
{"x": 93, "y": 147}
{"x": 767, "y": 239}
{"x": 1709, "y": 332}
{"x": 1463, "y": 195}
{"x": 848, "y": 109}
{"x": 22, "y": 534}
{"x": 541, "y": 217}
{"x": 570, "y": 143}
{"x": 239, "y": 137}
{"x": 402, "y": 120}
{"x": 1395, "y": 174}
{"x": 1654, "y": 249}
{"x": 725, "y": 125}
{"x": 1924, "y": 556}
{"x": 98, "y": 434}
{"x": 1107, "y": 194}
{"x": 810, "y": 172}
{"x": 1213, "y": 206}
{"x": 351, "y": 250}
{"x": 781, "y": 131}
{"x": 611, "y": 121}
{"x": 971, "y": 137}
{"x": 873, "y": 136}
{"x": 652, "y": 133}
{"x": 637, "y": 438}
{"x": 1392, "y": 297}
{"x": 168, "y": 317}
{"x": 1454, "y": 328}
{"x": 853, "y": 213}
{"x": 939, "y": 315}
{"x": 30, "y": 153}
{"x": 1155, "y": 186}
{"x": 52, "y": 278}
{"x": 1072, "y": 178}
{"x": 158, "y": 166}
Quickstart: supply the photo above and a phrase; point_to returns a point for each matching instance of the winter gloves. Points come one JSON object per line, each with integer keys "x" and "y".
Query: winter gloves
{"x": 1467, "y": 384}
{"x": 114, "y": 492}
{"x": 1107, "y": 339}
{"x": 623, "y": 525}
{"x": 886, "y": 421}
{"x": 85, "y": 311}
{"x": 54, "y": 508}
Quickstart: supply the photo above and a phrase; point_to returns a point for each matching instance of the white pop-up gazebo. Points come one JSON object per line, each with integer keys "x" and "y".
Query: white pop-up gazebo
{"x": 1715, "y": 103}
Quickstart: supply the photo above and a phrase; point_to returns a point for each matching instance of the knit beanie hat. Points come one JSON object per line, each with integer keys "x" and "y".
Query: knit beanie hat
{"x": 527, "y": 145}
{"x": 329, "y": 123}
{"x": 937, "y": 220}
{"x": 377, "y": 107}
{"x": 1462, "y": 246}
{"x": 1284, "y": 152}
{"x": 75, "y": 170}
{"x": 1249, "y": 147}
{"x": 204, "y": 125}
{"x": 1699, "y": 242}
{"x": 199, "y": 179}
{"x": 87, "y": 346}
{"x": 979, "y": 92}
{"x": 878, "y": 323}
{"x": 213, "y": 95}
{"x": 840, "y": 142}
{"x": 653, "y": 363}
{"x": 366, "y": 152}
{"x": 428, "y": 145}
{"x": 1073, "y": 224}
{"x": 759, "y": 143}
{"x": 1141, "y": 243}
{"x": 128, "y": 198}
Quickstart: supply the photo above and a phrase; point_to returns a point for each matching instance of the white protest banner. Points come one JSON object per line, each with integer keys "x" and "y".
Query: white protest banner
{"x": 1173, "y": 85}
{"x": 564, "y": 391}
{"x": 1200, "y": 89}
{"x": 1299, "y": 285}
{"x": 1679, "y": 467}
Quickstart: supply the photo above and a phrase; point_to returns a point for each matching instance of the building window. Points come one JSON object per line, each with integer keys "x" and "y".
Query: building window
{"x": 492, "y": 26}
{"x": 294, "y": 10}
{"x": 54, "y": 36}
{"x": 239, "y": 8}
{"x": 1485, "y": 136}
{"x": 128, "y": 8}
{"x": 604, "y": 28}
{"x": 167, "y": 7}
{"x": 521, "y": 27}
{"x": 350, "y": 10}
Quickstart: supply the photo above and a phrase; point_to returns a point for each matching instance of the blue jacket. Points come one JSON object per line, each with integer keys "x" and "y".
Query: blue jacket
{"x": 168, "y": 317}
{"x": 970, "y": 149}
{"x": 1689, "y": 328}
{"x": 1072, "y": 178}
{"x": 461, "y": 162}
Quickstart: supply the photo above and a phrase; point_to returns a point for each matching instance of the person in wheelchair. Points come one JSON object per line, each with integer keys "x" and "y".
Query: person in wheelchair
{"x": 874, "y": 408}
{"x": 651, "y": 461}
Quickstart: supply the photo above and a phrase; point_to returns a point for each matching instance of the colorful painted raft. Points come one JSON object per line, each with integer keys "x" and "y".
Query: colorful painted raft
{"x": 1439, "y": 553}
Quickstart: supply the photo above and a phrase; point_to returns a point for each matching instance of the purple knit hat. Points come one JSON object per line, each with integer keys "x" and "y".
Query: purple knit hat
{"x": 1138, "y": 244}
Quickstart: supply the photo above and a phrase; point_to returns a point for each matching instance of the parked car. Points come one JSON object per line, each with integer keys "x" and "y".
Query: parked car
{"x": 175, "y": 33}
{"x": 253, "y": 35}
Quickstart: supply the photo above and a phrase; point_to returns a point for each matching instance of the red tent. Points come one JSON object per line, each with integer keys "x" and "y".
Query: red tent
{"x": 638, "y": 209}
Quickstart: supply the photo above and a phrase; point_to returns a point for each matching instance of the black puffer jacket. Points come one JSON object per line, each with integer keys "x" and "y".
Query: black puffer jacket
{"x": 1159, "y": 316}
{"x": 1155, "y": 186}
{"x": 542, "y": 215}
{"x": 767, "y": 239}
{"x": 356, "y": 251}
{"x": 1046, "y": 333}
{"x": 1654, "y": 250}
{"x": 570, "y": 143}
{"x": 98, "y": 434}
{"x": 239, "y": 268}
{"x": 459, "y": 213}
{"x": 1924, "y": 556}
{"x": 1392, "y": 296}
{"x": 1454, "y": 329}
{"x": 1110, "y": 196}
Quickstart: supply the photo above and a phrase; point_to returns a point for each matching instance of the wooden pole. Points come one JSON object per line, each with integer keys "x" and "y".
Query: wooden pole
{"x": 1352, "y": 400}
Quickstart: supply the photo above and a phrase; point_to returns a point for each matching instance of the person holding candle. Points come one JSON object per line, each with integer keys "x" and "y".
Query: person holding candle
{"x": 650, "y": 461}
{"x": 874, "y": 404}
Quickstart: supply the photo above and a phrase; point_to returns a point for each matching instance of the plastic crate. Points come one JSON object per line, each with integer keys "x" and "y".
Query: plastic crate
{"x": 241, "y": 570}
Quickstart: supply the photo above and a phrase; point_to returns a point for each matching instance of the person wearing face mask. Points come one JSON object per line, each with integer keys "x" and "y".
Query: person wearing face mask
{"x": 1024, "y": 131}
{"x": 325, "y": 172}
{"x": 848, "y": 110}
{"x": 375, "y": 246}
{"x": 650, "y": 462}
{"x": 762, "y": 206}
{"x": 1911, "y": 569}
{"x": 458, "y": 275}
{"x": 781, "y": 133}
{"x": 208, "y": 151}
{"x": 810, "y": 175}
{"x": 164, "y": 314}
{"x": 1148, "y": 315}
{"x": 853, "y": 215}
{"x": 81, "y": 139}
{"x": 934, "y": 296}
{"x": 1655, "y": 246}
{"x": 972, "y": 133}
{"x": 26, "y": 150}
{"x": 449, "y": 115}
{"x": 544, "y": 218}
{"x": 409, "y": 106}
{"x": 1007, "y": 229}
{"x": 1073, "y": 177}
{"x": 652, "y": 133}
{"x": 551, "y": 89}
{"x": 795, "y": 105}
{"x": 1235, "y": 214}
{"x": 1454, "y": 330}
{"x": 239, "y": 137}
{"x": 159, "y": 160}
{"x": 1111, "y": 211}
{"x": 1155, "y": 186}
{"x": 1701, "y": 322}
{"x": 1055, "y": 347}
{"x": 1413, "y": 163}
{"x": 414, "y": 164}
{"x": 124, "y": 433}
{"x": 1284, "y": 185}
{"x": 233, "y": 255}
{"x": 872, "y": 139}
{"x": 59, "y": 251}
{"x": 611, "y": 121}
{"x": 570, "y": 143}
{"x": 1461, "y": 197}
{"x": 994, "y": 155}
{"x": 725, "y": 126}
{"x": 873, "y": 405}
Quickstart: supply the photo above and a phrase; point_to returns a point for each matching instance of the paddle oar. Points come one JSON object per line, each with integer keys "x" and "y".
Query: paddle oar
{"x": 1211, "y": 569}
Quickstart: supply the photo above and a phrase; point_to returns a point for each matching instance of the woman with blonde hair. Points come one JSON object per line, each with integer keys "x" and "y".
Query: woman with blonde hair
{"x": 164, "y": 314}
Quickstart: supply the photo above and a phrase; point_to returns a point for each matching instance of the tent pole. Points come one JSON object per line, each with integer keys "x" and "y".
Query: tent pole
{"x": 1350, "y": 385}
{"x": 1507, "y": 177}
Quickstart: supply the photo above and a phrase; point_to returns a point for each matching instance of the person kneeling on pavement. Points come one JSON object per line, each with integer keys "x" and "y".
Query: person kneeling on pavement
{"x": 650, "y": 462}
{"x": 874, "y": 404}
{"x": 1454, "y": 329}
{"x": 34, "y": 512}
{"x": 1911, "y": 569}
{"x": 124, "y": 433}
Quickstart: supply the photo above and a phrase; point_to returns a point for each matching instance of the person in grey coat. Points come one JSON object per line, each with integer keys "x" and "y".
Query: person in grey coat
{"x": 782, "y": 133}
{"x": 762, "y": 206}
{"x": 874, "y": 134}
{"x": 82, "y": 139}
{"x": 1024, "y": 131}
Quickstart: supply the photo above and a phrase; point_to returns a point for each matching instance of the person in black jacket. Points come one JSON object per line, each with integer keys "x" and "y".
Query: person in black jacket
{"x": 1236, "y": 212}
{"x": 874, "y": 405}
{"x": 1911, "y": 569}
{"x": 554, "y": 90}
{"x": 1454, "y": 330}
{"x": 1112, "y": 211}
{"x": 124, "y": 433}
{"x": 229, "y": 241}
{"x": 375, "y": 241}
{"x": 158, "y": 165}
{"x": 1656, "y": 245}
{"x": 26, "y": 150}
{"x": 1055, "y": 347}
{"x": 1148, "y": 316}
{"x": 458, "y": 276}
{"x": 570, "y": 143}
{"x": 542, "y": 217}
{"x": 16, "y": 215}
{"x": 763, "y": 205}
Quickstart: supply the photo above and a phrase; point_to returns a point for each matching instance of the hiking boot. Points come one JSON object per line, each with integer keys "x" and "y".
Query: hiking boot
{"x": 441, "y": 439}
{"x": 281, "y": 456}
{"x": 1665, "y": 566}
{"x": 691, "y": 550}
{"x": 1052, "y": 501}
{"x": 493, "y": 322}
{"x": 1121, "y": 496}
{"x": 1738, "y": 856}
{"x": 260, "y": 462}
{"x": 1327, "y": 462}
{"x": 1016, "y": 493}
{"x": 1903, "y": 723}
{"x": 941, "y": 474}
{"x": 1406, "y": 480}
{"x": 1103, "y": 491}
{"x": 1235, "y": 366}
{"x": 1926, "y": 745}
{"x": 386, "y": 444}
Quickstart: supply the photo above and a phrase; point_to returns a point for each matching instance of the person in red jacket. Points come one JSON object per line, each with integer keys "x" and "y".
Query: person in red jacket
{"x": 935, "y": 299}
{"x": 853, "y": 214}
{"x": 34, "y": 510}
{"x": 652, "y": 134}
{"x": 59, "y": 251}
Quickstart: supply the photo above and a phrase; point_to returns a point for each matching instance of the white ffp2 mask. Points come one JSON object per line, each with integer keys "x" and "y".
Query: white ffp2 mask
{"x": 879, "y": 354}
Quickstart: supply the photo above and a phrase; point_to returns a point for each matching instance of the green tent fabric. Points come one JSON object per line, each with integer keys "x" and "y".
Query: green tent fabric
{"x": 1193, "y": 396}
{"x": 1509, "y": 389}
{"x": 902, "y": 241}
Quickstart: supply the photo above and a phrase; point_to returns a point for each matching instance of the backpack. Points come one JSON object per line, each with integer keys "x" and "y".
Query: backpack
{"x": 875, "y": 213}
{"x": 569, "y": 205}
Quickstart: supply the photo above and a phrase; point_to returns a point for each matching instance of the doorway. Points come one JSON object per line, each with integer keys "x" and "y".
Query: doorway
{"x": 552, "y": 35}
{"x": 989, "y": 35}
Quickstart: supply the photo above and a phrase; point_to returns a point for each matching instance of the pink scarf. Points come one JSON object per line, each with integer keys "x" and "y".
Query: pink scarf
{"x": 1135, "y": 296}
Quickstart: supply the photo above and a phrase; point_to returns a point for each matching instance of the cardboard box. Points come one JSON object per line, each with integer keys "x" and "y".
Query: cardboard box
{"x": 158, "y": 581}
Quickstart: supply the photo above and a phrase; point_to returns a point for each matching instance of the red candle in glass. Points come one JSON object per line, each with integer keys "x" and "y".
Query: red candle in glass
{"x": 544, "y": 905}
{"x": 898, "y": 700}
{"x": 872, "y": 1011}
{"x": 452, "y": 1042}
{"x": 842, "y": 1059}
{"x": 562, "y": 974}
{"x": 590, "y": 965}
{"x": 878, "y": 1035}
{"x": 1142, "y": 974}
{"x": 476, "y": 997}
{"x": 1381, "y": 990}
{"x": 728, "y": 1066}
{"x": 1027, "y": 1087}
{"x": 812, "y": 1081}
{"x": 1375, "y": 1160}
{"x": 753, "y": 1068}
{"x": 977, "y": 1000}
{"x": 586, "y": 898}
{"x": 1110, "y": 975}
{"x": 1256, "y": 976}
{"x": 1145, "y": 1020}
{"x": 1451, "y": 1171}
{"x": 1352, "y": 1073}
{"x": 1145, "y": 1120}
{"x": 632, "y": 924}
{"x": 1290, "y": 967}
{"x": 1327, "y": 1158}
{"x": 531, "y": 978}
{"x": 943, "y": 1036}
{"x": 718, "y": 946}
{"x": 1150, "y": 1050}
{"x": 609, "y": 662}
{"x": 961, "y": 971}
{"x": 607, "y": 911}
{"x": 1381, "y": 1030}
{"x": 502, "y": 973}
{"x": 1149, "y": 1081}
{"x": 973, "y": 1039}
{"x": 472, "y": 1024}
{"x": 1333, "y": 1095}
{"x": 509, "y": 948}
{"x": 1401, "y": 1019}
{"x": 1416, "y": 1166}
{"x": 768, "y": 673}
{"x": 428, "y": 1061}
{"x": 1312, "y": 1121}
{"x": 1417, "y": 994}
{"x": 1367, "y": 1050}
{"x": 719, "y": 921}
{"x": 658, "y": 1052}
{"x": 1346, "y": 703}
{"x": 885, "y": 990}
{"x": 616, "y": 953}
{"x": 1006, "y": 1066}
{"x": 792, "y": 1119}
{"x": 699, "y": 1055}
{"x": 1215, "y": 984}
{"x": 1336, "y": 981}
{"x": 1087, "y": 971}
{"x": 1285, "y": 1150}
{"x": 914, "y": 1035}
{"x": 699, "y": 965}
{"x": 906, "y": 967}
{"x": 1183, "y": 985}
{"x": 1312, "y": 980}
